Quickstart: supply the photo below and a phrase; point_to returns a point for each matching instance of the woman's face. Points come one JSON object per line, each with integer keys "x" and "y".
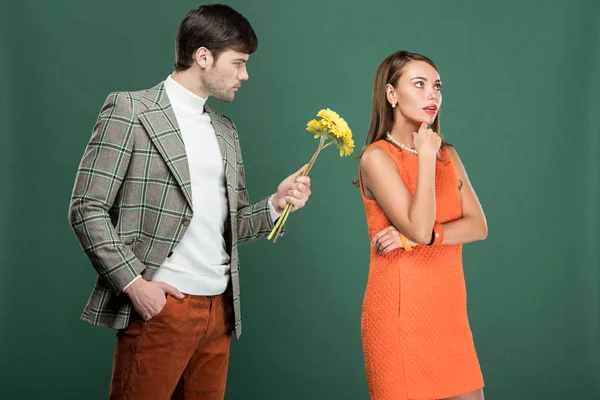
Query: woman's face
{"x": 418, "y": 95}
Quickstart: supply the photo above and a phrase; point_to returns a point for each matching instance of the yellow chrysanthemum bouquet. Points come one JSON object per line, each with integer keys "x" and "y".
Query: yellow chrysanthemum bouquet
{"x": 331, "y": 129}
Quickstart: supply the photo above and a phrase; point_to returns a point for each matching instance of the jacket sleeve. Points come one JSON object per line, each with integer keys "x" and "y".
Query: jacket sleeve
{"x": 99, "y": 177}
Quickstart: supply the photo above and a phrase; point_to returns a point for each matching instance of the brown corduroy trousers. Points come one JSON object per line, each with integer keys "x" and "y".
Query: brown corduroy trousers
{"x": 181, "y": 353}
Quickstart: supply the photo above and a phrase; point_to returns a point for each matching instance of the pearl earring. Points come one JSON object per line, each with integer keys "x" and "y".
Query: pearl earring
{"x": 393, "y": 104}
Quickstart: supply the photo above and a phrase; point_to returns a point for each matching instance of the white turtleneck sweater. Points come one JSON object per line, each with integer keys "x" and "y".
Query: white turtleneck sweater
{"x": 199, "y": 264}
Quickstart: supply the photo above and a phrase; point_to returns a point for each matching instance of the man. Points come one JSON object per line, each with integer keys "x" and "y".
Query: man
{"x": 160, "y": 205}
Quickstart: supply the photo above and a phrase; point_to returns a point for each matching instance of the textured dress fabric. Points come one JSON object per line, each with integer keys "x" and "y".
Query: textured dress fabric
{"x": 416, "y": 337}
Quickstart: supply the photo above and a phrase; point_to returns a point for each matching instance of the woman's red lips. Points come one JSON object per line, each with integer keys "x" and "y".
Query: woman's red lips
{"x": 432, "y": 109}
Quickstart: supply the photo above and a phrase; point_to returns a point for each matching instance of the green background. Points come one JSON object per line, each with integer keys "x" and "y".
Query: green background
{"x": 521, "y": 103}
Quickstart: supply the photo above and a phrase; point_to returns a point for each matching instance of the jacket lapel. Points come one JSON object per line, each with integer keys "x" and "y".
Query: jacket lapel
{"x": 228, "y": 151}
{"x": 161, "y": 124}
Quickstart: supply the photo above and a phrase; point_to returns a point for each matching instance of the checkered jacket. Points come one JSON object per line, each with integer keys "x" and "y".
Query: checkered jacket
{"x": 132, "y": 199}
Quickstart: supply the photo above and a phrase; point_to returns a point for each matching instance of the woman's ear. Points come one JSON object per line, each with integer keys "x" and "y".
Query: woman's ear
{"x": 390, "y": 94}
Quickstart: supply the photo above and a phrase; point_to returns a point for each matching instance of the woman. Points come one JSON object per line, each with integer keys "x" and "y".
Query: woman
{"x": 416, "y": 337}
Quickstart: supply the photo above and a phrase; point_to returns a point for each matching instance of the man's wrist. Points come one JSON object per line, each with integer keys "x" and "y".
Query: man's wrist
{"x": 131, "y": 283}
{"x": 274, "y": 205}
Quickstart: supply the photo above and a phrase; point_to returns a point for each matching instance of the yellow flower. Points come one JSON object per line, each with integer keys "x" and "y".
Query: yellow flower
{"x": 338, "y": 130}
{"x": 331, "y": 120}
{"x": 315, "y": 127}
{"x": 346, "y": 145}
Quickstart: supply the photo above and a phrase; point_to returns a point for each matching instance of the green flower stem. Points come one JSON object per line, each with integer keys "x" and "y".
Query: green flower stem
{"x": 314, "y": 157}
{"x": 283, "y": 218}
{"x": 286, "y": 211}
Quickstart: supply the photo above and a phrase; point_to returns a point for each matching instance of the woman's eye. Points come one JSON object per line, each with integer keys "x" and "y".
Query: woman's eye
{"x": 419, "y": 84}
{"x": 438, "y": 86}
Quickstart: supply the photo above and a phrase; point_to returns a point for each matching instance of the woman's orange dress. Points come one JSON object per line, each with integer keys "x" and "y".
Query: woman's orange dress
{"x": 416, "y": 337}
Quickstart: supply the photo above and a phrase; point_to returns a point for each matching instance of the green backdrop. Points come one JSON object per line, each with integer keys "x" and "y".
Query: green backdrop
{"x": 520, "y": 103}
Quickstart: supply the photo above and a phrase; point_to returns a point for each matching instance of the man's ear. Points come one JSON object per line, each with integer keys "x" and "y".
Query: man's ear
{"x": 203, "y": 57}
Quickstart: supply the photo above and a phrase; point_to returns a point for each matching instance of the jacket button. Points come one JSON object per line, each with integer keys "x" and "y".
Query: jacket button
{"x": 170, "y": 254}
{"x": 186, "y": 221}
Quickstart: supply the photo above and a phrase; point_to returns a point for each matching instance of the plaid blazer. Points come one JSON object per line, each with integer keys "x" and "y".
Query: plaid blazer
{"x": 132, "y": 199}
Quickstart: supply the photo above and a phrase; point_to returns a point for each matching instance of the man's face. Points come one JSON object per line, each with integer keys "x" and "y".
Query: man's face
{"x": 224, "y": 76}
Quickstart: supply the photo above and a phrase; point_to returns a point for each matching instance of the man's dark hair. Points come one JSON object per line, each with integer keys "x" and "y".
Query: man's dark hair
{"x": 217, "y": 27}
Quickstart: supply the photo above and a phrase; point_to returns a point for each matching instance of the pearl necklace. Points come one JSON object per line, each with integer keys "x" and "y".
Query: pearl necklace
{"x": 391, "y": 139}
